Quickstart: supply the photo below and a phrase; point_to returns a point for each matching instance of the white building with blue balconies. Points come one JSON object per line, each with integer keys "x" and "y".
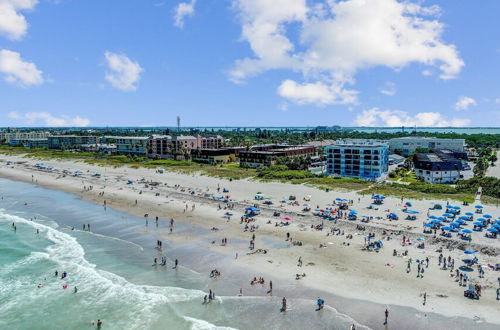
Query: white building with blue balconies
{"x": 358, "y": 159}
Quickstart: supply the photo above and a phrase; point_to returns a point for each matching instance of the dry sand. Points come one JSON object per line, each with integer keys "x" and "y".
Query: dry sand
{"x": 346, "y": 271}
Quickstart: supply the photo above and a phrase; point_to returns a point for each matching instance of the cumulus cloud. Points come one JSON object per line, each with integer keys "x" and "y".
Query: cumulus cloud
{"x": 123, "y": 73}
{"x": 394, "y": 118}
{"x": 388, "y": 89}
{"x": 464, "y": 102}
{"x": 182, "y": 10}
{"x": 318, "y": 93}
{"x": 336, "y": 39}
{"x": 13, "y": 24}
{"x": 46, "y": 119}
{"x": 17, "y": 71}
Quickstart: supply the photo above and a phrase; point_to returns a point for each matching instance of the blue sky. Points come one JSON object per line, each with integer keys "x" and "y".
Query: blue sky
{"x": 249, "y": 63}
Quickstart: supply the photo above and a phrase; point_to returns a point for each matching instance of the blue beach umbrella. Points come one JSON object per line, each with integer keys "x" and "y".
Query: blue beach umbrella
{"x": 460, "y": 221}
{"x": 478, "y": 223}
{"x": 448, "y": 215}
{"x": 428, "y": 225}
{"x": 432, "y": 217}
{"x": 448, "y": 228}
{"x": 463, "y": 217}
{"x": 454, "y": 224}
{"x": 497, "y": 222}
{"x": 469, "y": 252}
{"x": 487, "y": 216}
{"x": 456, "y": 207}
{"x": 316, "y": 209}
{"x": 496, "y": 226}
{"x": 469, "y": 213}
{"x": 481, "y": 219}
{"x": 408, "y": 204}
{"x": 436, "y": 222}
{"x": 493, "y": 230}
{"x": 412, "y": 212}
{"x": 466, "y": 231}
{"x": 478, "y": 206}
{"x": 441, "y": 218}
{"x": 353, "y": 212}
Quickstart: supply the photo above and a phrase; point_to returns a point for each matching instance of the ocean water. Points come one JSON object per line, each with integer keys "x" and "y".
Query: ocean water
{"x": 112, "y": 269}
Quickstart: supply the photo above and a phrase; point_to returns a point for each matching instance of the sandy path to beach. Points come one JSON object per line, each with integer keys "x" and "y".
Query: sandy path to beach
{"x": 348, "y": 271}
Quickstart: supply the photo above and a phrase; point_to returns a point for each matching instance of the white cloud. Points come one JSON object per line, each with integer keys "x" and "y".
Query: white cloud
{"x": 46, "y": 119}
{"x": 497, "y": 101}
{"x": 337, "y": 39}
{"x": 182, "y": 10}
{"x": 388, "y": 89}
{"x": 394, "y": 118}
{"x": 464, "y": 102}
{"x": 17, "y": 71}
{"x": 123, "y": 73}
{"x": 13, "y": 24}
{"x": 427, "y": 73}
{"x": 316, "y": 93}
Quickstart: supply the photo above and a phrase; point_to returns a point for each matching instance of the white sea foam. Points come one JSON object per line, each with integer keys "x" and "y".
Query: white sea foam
{"x": 98, "y": 286}
{"x": 197, "y": 324}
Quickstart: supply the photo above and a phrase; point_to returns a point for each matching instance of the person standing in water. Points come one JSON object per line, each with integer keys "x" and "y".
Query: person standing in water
{"x": 386, "y": 316}
{"x": 283, "y": 304}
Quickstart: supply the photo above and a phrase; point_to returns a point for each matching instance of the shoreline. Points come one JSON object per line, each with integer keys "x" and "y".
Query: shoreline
{"x": 121, "y": 197}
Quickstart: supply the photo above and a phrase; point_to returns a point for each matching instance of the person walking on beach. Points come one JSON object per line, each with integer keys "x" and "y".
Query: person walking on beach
{"x": 283, "y": 304}
{"x": 176, "y": 263}
{"x": 386, "y": 316}
{"x": 425, "y": 298}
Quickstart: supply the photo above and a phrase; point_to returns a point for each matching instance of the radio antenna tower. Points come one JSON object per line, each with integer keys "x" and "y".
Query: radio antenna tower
{"x": 178, "y": 123}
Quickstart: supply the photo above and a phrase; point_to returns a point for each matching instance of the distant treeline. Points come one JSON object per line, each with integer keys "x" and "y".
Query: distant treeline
{"x": 261, "y": 136}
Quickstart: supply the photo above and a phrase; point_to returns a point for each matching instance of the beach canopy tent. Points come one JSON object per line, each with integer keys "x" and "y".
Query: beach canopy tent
{"x": 492, "y": 230}
{"x": 469, "y": 213}
{"x": 478, "y": 206}
{"x": 487, "y": 216}
{"x": 467, "y": 231}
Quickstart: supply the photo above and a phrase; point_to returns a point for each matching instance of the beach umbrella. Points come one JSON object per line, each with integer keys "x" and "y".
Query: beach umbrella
{"x": 447, "y": 228}
{"x": 412, "y": 212}
{"x": 487, "y": 216}
{"x": 428, "y": 225}
{"x": 478, "y": 223}
{"x": 481, "y": 219}
{"x": 497, "y": 222}
{"x": 453, "y": 211}
{"x": 448, "y": 215}
{"x": 493, "y": 230}
{"x": 322, "y": 210}
{"x": 456, "y": 207}
{"x": 469, "y": 213}
{"x": 469, "y": 252}
{"x": 353, "y": 212}
{"x": 466, "y": 231}
{"x": 454, "y": 224}
{"x": 307, "y": 205}
{"x": 496, "y": 226}
{"x": 463, "y": 217}
{"x": 460, "y": 221}
{"x": 436, "y": 222}
{"x": 478, "y": 206}
{"x": 421, "y": 239}
{"x": 328, "y": 211}
{"x": 317, "y": 209}
{"x": 432, "y": 217}
{"x": 408, "y": 204}
{"x": 287, "y": 218}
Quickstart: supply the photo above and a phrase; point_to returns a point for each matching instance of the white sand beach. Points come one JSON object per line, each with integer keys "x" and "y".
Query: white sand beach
{"x": 341, "y": 266}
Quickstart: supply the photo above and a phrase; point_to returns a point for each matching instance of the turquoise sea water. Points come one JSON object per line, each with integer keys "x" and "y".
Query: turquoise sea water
{"x": 111, "y": 267}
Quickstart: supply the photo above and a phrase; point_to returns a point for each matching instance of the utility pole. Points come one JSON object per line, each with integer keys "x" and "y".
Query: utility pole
{"x": 178, "y": 124}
